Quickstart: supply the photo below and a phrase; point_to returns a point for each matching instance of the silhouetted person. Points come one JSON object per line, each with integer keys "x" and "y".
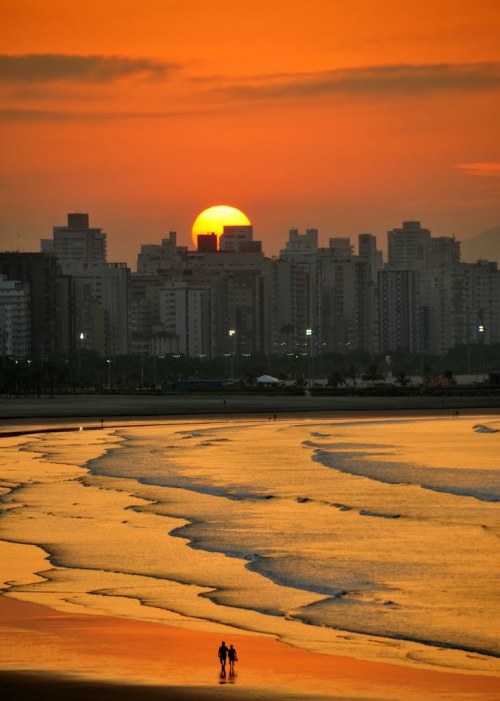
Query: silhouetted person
{"x": 233, "y": 657}
{"x": 222, "y": 656}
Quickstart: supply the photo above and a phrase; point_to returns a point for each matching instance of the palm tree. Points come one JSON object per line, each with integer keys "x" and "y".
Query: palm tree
{"x": 373, "y": 374}
{"x": 352, "y": 374}
{"x": 450, "y": 377}
{"x": 335, "y": 378}
{"x": 402, "y": 378}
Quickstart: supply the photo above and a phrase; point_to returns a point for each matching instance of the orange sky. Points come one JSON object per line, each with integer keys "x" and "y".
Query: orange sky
{"x": 347, "y": 117}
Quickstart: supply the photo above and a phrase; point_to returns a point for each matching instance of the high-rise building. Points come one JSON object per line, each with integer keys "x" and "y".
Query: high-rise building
{"x": 41, "y": 273}
{"x": 77, "y": 241}
{"x": 207, "y": 243}
{"x": 185, "y": 318}
{"x": 479, "y": 287}
{"x": 101, "y": 308}
{"x": 401, "y": 322}
{"x": 301, "y": 243}
{"x": 14, "y": 318}
{"x": 159, "y": 257}
{"x": 367, "y": 251}
{"x": 340, "y": 247}
{"x": 100, "y": 289}
{"x": 239, "y": 239}
{"x": 409, "y": 247}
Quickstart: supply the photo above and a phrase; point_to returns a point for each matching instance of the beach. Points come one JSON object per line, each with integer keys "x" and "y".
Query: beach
{"x": 75, "y": 623}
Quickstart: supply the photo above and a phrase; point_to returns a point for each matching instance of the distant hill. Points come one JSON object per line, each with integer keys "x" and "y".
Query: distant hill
{"x": 484, "y": 245}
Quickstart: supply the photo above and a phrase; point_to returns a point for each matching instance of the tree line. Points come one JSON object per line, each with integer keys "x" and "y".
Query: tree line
{"x": 86, "y": 371}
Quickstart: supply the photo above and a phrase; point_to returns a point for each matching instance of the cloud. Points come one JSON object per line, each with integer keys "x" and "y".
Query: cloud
{"x": 40, "y": 115}
{"x": 53, "y": 68}
{"x": 399, "y": 79}
{"x": 489, "y": 169}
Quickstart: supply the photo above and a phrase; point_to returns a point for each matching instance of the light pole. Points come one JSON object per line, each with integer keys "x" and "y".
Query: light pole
{"x": 80, "y": 348}
{"x": 109, "y": 373}
{"x": 481, "y": 330}
{"x": 231, "y": 334}
{"x": 309, "y": 334}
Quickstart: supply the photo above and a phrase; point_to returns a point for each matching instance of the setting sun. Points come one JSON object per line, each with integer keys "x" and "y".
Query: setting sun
{"x": 213, "y": 220}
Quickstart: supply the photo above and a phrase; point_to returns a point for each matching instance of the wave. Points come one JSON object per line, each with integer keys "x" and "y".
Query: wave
{"x": 463, "y": 483}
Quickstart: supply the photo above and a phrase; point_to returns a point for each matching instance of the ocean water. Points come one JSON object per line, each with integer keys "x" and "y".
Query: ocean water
{"x": 371, "y": 537}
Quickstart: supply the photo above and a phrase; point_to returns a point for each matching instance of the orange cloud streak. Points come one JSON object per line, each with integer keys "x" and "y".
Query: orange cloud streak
{"x": 490, "y": 170}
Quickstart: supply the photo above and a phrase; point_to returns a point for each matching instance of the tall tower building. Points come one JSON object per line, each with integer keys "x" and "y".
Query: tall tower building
{"x": 100, "y": 288}
{"x": 367, "y": 251}
{"x": 409, "y": 247}
{"x": 401, "y": 322}
{"x": 77, "y": 241}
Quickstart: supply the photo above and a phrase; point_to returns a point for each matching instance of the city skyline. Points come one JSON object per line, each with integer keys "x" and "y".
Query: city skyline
{"x": 484, "y": 246}
{"x": 347, "y": 120}
{"x": 311, "y": 298}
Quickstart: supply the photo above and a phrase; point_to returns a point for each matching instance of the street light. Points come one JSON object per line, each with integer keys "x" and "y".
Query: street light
{"x": 309, "y": 334}
{"x": 109, "y": 373}
{"x": 80, "y": 348}
{"x": 481, "y": 331}
{"x": 231, "y": 334}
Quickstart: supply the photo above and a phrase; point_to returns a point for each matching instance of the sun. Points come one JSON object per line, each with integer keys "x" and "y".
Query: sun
{"x": 213, "y": 220}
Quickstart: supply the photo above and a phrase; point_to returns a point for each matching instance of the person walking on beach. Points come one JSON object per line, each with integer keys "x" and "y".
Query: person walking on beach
{"x": 223, "y": 650}
{"x": 233, "y": 657}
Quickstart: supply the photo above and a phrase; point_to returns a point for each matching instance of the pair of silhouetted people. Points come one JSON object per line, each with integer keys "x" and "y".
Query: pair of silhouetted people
{"x": 227, "y": 653}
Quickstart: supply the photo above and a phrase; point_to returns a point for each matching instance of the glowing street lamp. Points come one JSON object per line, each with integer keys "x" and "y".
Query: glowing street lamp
{"x": 80, "y": 347}
{"x": 309, "y": 334}
{"x": 481, "y": 331}
{"x": 231, "y": 334}
{"x": 109, "y": 373}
